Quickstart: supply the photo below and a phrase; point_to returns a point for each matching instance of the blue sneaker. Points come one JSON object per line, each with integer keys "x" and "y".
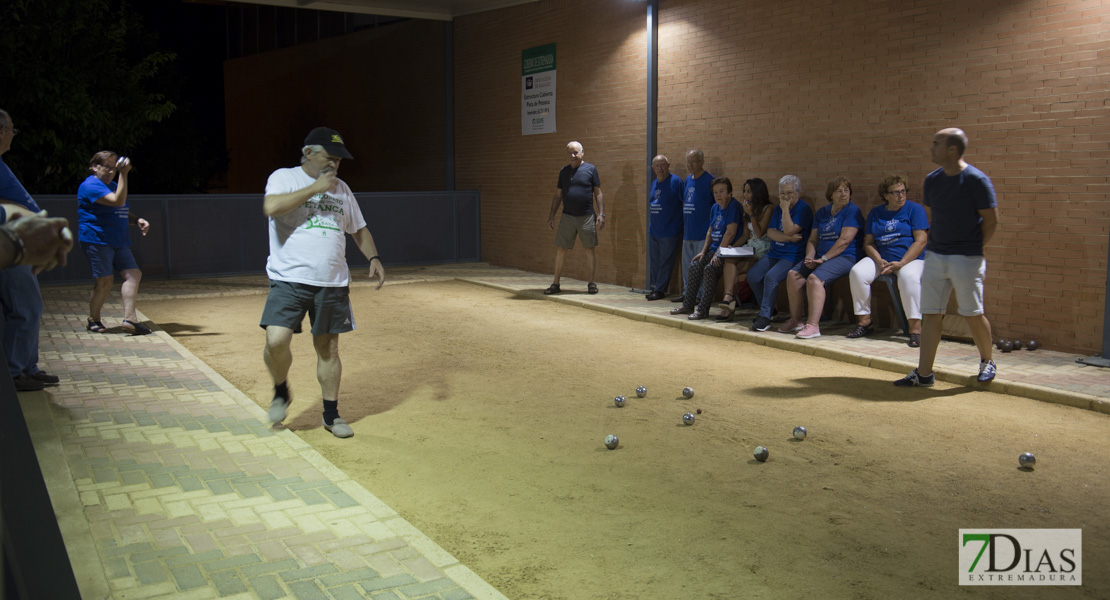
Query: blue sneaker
{"x": 987, "y": 371}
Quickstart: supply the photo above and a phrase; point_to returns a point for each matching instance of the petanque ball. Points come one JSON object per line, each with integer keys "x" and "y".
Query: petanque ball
{"x": 1017, "y": 344}
{"x": 641, "y": 392}
{"x": 619, "y": 401}
{"x": 611, "y": 441}
{"x": 1032, "y": 345}
{"x": 1027, "y": 460}
{"x": 1000, "y": 342}
{"x": 799, "y": 433}
{"x": 688, "y": 392}
{"x": 1007, "y": 346}
{"x": 761, "y": 453}
{"x": 688, "y": 418}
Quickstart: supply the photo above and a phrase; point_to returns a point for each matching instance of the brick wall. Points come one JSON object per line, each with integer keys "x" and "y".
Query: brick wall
{"x": 600, "y": 57}
{"x": 390, "y": 111}
{"x": 819, "y": 89}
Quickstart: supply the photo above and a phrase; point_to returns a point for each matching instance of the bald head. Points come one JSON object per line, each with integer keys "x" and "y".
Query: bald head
{"x": 695, "y": 160}
{"x": 955, "y": 136}
{"x": 575, "y": 152}
{"x": 661, "y": 167}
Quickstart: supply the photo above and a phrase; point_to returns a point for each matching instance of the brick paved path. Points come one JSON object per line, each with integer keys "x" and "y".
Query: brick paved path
{"x": 169, "y": 482}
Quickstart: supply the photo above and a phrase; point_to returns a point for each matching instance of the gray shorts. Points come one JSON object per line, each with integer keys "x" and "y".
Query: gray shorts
{"x": 571, "y": 226}
{"x": 328, "y": 308}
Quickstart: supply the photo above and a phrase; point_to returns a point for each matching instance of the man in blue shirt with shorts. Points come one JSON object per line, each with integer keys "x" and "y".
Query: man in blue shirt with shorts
{"x": 963, "y": 212}
{"x": 578, "y": 190}
{"x": 102, "y": 220}
{"x": 20, "y": 298}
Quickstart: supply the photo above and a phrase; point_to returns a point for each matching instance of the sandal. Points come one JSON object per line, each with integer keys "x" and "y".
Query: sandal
{"x": 139, "y": 328}
{"x": 591, "y": 288}
{"x": 553, "y": 289}
{"x": 861, "y": 330}
{"x": 725, "y": 316}
{"x": 915, "y": 340}
{"x": 682, "y": 310}
{"x": 696, "y": 315}
{"x": 95, "y": 326}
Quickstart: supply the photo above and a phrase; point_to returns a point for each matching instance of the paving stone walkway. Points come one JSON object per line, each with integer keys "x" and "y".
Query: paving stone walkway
{"x": 169, "y": 483}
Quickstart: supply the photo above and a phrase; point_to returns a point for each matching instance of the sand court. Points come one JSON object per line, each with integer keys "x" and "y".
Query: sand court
{"x": 479, "y": 416}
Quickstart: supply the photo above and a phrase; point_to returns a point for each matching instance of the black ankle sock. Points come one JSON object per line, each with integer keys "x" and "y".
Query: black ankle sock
{"x": 331, "y": 411}
{"x": 282, "y": 390}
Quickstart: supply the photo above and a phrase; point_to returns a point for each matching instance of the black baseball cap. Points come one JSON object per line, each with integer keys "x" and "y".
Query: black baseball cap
{"x": 329, "y": 139}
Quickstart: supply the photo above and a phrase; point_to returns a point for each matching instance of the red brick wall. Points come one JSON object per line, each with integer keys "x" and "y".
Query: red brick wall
{"x": 381, "y": 88}
{"x": 819, "y": 89}
{"x": 857, "y": 88}
{"x": 600, "y": 90}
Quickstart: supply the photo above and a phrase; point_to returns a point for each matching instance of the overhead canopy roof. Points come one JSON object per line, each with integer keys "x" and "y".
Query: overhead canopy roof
{"x": 440, "y": 10}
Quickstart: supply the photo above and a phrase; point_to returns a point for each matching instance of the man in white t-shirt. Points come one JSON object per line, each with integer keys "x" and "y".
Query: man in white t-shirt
{"x": 310, "y": 213}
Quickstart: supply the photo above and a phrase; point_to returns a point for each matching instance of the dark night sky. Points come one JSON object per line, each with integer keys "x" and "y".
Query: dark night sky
{"x": 197, "y": 33}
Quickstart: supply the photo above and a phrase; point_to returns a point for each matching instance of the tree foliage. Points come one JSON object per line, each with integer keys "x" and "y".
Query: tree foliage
{"x": 81, "y": 76}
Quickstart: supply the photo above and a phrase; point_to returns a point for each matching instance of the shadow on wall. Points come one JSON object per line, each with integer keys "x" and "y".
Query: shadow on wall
{"x": 628, "y": 225}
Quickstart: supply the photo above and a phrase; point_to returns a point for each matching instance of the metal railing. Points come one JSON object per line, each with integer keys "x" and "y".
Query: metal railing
{"x": 204, "y": 235}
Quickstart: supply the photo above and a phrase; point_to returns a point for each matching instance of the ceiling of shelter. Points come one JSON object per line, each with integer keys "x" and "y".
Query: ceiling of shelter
{"x": 440, "y": 10}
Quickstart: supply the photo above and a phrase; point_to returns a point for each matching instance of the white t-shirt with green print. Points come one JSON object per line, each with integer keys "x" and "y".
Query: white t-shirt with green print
{"x": 309, "y": 244}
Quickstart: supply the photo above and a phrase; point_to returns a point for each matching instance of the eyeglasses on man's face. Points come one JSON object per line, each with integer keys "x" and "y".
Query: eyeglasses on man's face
{"x": 13, "y": 129}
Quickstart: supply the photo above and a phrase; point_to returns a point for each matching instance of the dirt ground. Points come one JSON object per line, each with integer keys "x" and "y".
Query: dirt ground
{"x": 479, "y": 416}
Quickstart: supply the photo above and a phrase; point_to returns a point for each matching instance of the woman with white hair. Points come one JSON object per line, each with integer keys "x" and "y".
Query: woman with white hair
{"x": 789, "y": 229}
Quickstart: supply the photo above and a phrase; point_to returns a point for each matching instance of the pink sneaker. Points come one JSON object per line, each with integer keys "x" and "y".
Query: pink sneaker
{"x": 809, "y": 332}
{"x": 790, "y": 326}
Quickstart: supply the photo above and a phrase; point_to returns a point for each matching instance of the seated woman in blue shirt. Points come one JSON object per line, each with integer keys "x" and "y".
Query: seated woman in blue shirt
{"x": 894, "y": 240}
{"x": 788, "y": 229}
{"x": 725, "y": 220}
{"x": 830, "y": 254}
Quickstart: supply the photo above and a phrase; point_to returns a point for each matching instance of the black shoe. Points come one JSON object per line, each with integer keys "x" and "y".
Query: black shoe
{"x": 24, "y": 383}
{"x": 45, "y": 378}
{"x": 761, "y": 324}
{"x": 655, "y": 295}
{"x": 678, "y": 298}
{"x": 137, "y": 328}
{"x": 915, "y": 380}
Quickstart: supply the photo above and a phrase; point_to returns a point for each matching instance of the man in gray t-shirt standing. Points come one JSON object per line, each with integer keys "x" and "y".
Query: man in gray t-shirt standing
{"x": 578, "y": 190}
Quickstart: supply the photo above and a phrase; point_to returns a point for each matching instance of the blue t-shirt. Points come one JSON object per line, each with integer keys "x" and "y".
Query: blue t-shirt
{"x": 720, "y": 219}
{"x": 665, "y": 207}
{"x": 802, "y": 215}
{"x": 893, "y": 230}
{"x": 955, "y": 202}
{"x": 695, "y": 206}
{"x": 829, "y": 226}
{"x": 13, "y": 191}
{"x": 578, "y": 189}
{"x": 100, "y": 223}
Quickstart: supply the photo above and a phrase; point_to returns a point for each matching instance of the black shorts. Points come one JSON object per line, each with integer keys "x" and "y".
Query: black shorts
{"x": 328, "y": 308}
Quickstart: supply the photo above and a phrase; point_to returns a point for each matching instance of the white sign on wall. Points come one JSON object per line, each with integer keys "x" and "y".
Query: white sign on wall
{"x": 537, "y": 90}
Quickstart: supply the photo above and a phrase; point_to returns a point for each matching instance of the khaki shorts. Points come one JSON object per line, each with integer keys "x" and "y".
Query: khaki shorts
{"x": 328, "y": 308}
{"x": 571, "y": 226}
{"x": 946, "y": 272}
